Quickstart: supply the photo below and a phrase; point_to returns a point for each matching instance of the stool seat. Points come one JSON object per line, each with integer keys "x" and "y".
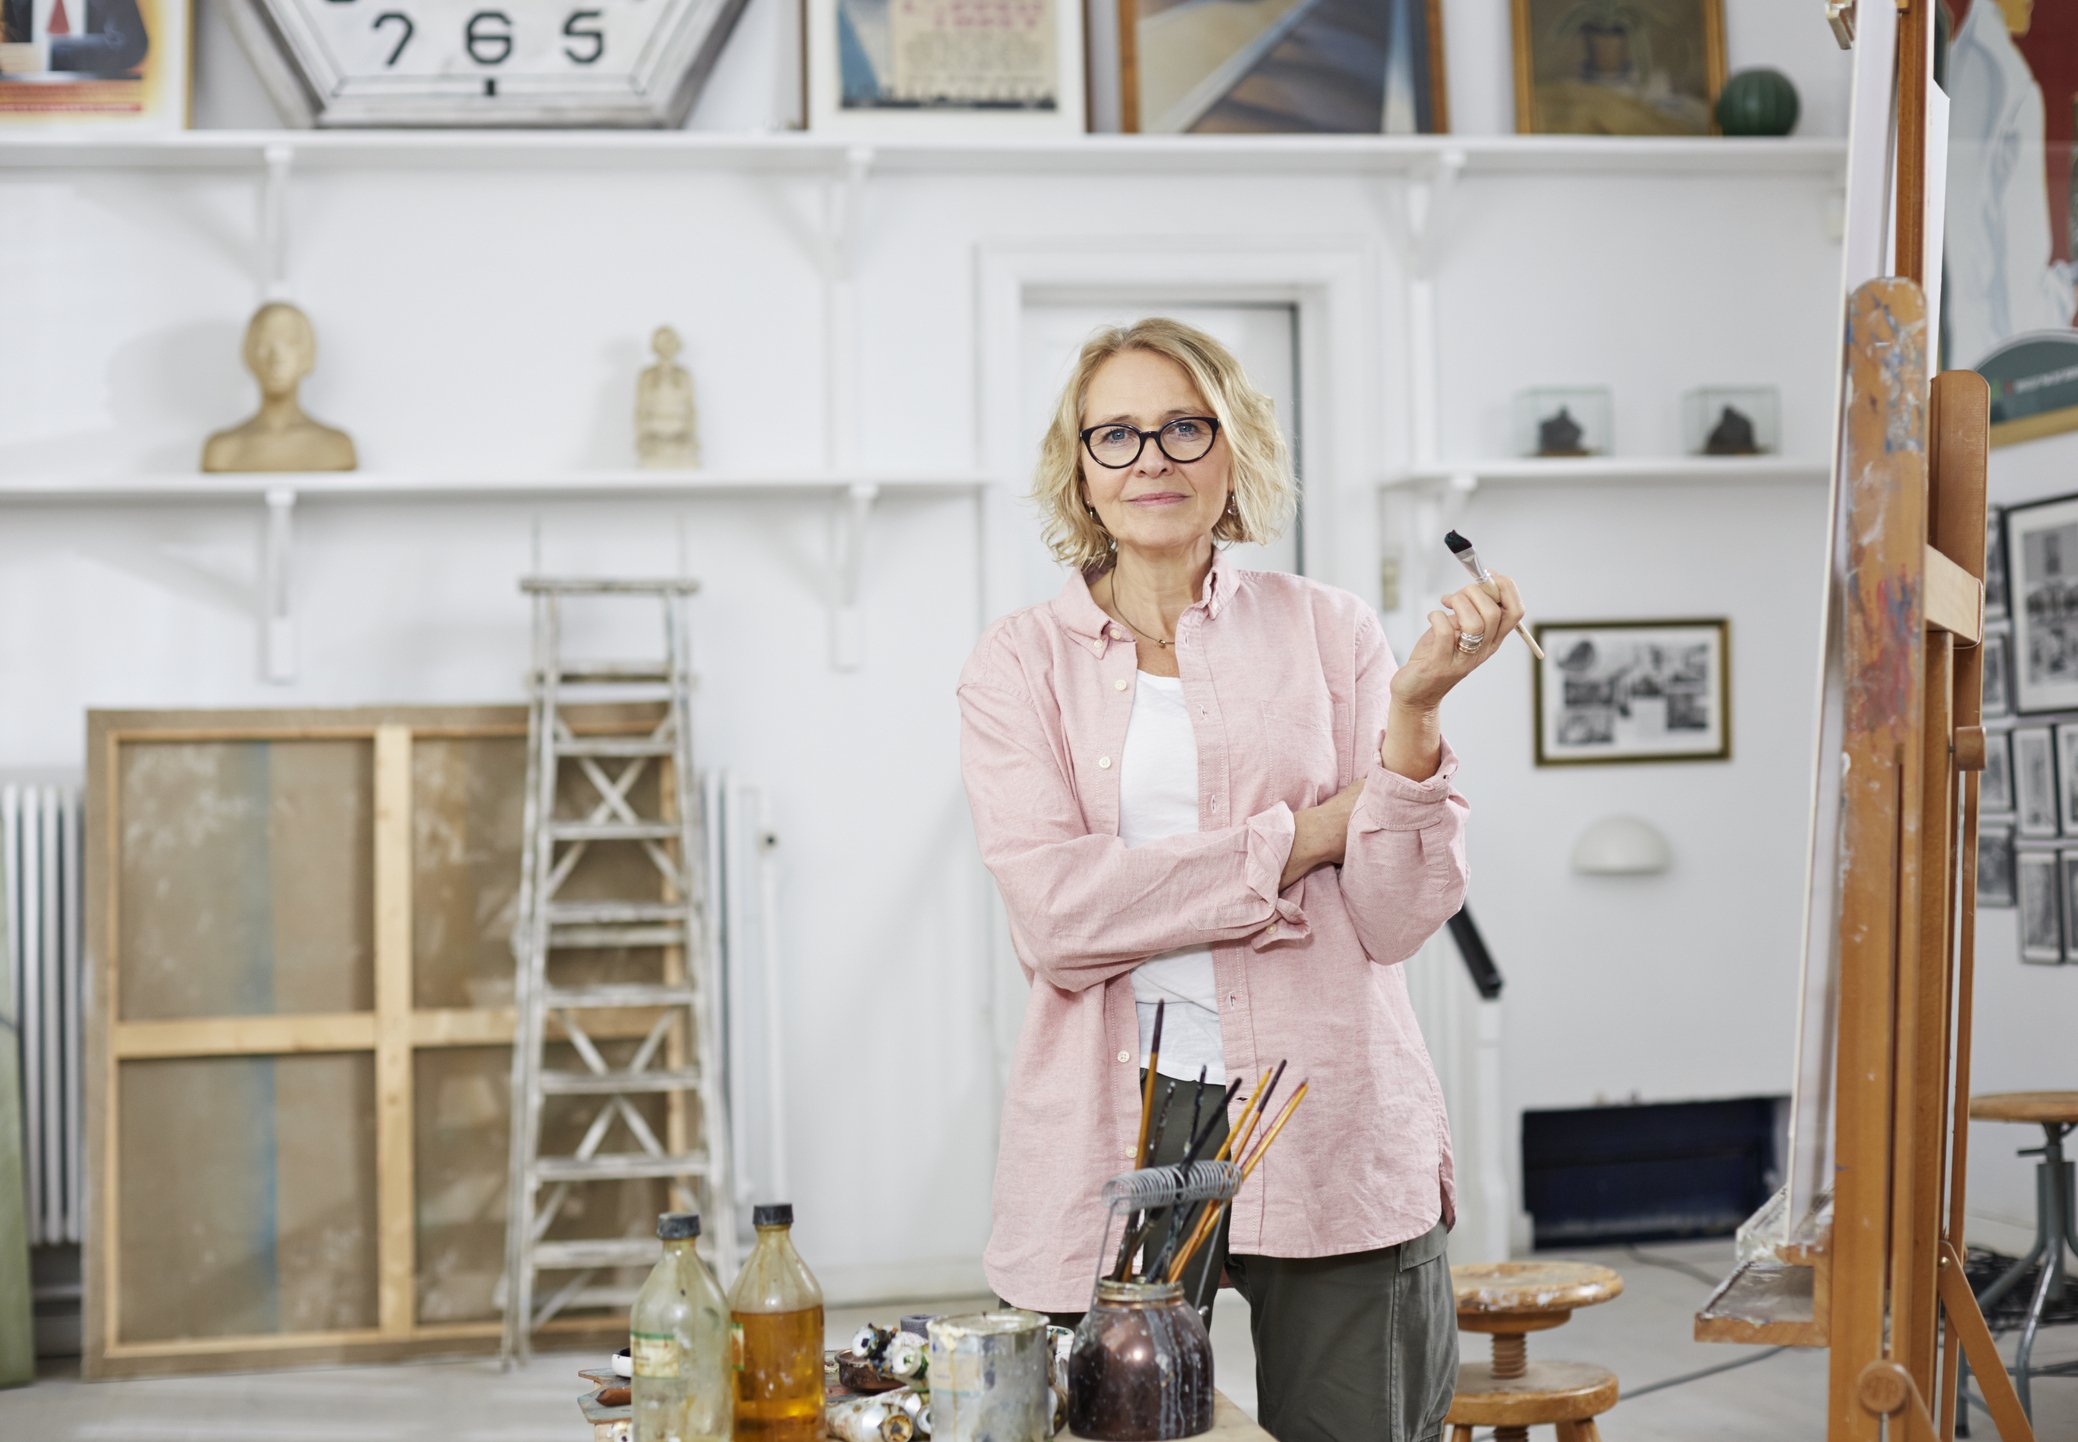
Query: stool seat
{"x": 1546, "y": 1392}
{"x": 2043, "y": 1108}
{"x": 1529, "y": 1289}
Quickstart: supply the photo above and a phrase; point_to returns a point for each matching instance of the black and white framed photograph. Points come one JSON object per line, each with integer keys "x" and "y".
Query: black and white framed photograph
{"x": 1998, "y": 674}
{"x": 1633, "y": 691}
{"x": 2042, "y": 554}
{"x": 2041, "y": 906}
{"x": 2034, "y": 781}
{"x": 1995, "y": 866}
{"x": 1995, "y": 565}
{"x": 1995, "y": 787}
{"x": 2067, "y": 874}
{"x": 2067, "y": 777}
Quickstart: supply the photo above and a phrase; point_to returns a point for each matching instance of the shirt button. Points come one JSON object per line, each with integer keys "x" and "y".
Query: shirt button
{"x": 1125, "y": 1056}
{"x": 1272, "y": 931}
{"x": 1119, "y": 684}
{"x": 1103, "y": 763}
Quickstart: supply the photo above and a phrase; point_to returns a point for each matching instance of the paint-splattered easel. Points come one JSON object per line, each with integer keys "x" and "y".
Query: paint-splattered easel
{"x": 1864, "y": 1256}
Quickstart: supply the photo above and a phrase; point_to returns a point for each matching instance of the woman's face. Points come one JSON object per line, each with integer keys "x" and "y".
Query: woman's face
{"x": 1155, "y": 504}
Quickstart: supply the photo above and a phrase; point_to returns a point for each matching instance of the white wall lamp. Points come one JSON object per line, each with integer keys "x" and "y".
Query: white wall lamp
{"x": 1622, "y": 846}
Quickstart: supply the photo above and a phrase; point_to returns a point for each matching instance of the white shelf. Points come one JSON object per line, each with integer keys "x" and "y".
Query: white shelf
{"x": 814, "y": 155}
{"x": 404, "y": 486}
{"x": 1583, "y": 470}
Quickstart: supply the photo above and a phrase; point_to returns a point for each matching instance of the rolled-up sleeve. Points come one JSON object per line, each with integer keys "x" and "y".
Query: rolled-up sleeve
{"x": 1085, "y": 907}
{"x": 1404, "y": 870}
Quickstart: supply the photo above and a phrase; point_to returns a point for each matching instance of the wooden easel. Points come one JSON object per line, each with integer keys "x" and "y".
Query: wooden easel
{"x": 1872, "y": 1273}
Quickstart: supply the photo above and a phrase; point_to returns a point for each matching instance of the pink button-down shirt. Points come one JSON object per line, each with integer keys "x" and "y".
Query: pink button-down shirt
{"x": 1285, "y": 680}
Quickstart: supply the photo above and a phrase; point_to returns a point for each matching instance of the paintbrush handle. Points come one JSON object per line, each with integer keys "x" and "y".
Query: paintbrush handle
{"x": 1522, "y": 627}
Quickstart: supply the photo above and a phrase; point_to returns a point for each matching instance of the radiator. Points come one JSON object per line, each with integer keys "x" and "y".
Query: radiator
{"x": 40, "y": 829}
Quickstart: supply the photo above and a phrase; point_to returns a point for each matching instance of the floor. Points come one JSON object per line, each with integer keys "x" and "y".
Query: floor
{"x": 1643, "y": 1336}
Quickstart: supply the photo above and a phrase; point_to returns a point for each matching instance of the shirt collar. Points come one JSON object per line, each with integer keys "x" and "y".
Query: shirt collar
{"x": 1079, "y": 614}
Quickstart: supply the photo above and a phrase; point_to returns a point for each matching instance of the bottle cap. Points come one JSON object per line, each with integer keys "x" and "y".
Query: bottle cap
{"x": 678, "y": 1226}
{"x": 773, "y": 1214}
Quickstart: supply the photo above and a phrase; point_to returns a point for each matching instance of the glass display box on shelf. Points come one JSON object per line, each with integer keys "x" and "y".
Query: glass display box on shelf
{"x": 1730, "y": 421}
{"x": 1563, "y": 421}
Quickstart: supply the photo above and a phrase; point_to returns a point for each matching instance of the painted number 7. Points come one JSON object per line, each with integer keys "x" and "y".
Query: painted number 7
{"x": 402, "y": 40}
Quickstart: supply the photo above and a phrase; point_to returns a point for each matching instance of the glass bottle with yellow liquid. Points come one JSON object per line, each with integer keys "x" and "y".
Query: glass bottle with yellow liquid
{"x": 681, "y": 1344}
{"x": 776, "y": 1309}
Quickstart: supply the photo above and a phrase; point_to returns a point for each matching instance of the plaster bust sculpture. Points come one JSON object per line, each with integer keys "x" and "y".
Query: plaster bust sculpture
{"x": 666, "y": 421}
{"x": 280, "y": 349}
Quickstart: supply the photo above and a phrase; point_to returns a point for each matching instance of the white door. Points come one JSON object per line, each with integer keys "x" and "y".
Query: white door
{"x": 1263, "y": 337}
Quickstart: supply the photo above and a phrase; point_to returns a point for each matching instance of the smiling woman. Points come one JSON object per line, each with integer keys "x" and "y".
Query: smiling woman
{"x": 1211, "y": 790}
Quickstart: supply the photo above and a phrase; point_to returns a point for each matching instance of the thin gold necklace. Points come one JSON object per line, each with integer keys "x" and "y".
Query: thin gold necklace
{"x": 1119, "y": 606}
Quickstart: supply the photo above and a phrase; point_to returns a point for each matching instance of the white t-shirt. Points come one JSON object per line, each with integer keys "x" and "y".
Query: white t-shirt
{"x": 1157, "y": 797}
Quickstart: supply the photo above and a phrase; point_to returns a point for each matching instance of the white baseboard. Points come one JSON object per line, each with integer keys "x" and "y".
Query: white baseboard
{"x": 871, "y": 1283}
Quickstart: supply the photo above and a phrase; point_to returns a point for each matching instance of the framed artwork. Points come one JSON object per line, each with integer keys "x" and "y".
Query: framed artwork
{"x": 1274, "y": 67}
{"x": 1995, "y": 866}
{"x": 891, "y": 69}
{"x": 2011, "y": 237}
{"x": 2034, "y": 781}
{"x": 1633, "y": 691}
{"x": 94, "y": 63}
{"x": 1998, "y": 673}
{"x": 2067, "y": 777}
{"x": 1617, "y": 67}
{"x": 1995, "y": 787}
{"x": 2067, "y": 877}
{"x": 2042, "y": 556}
{"x": 2040, "y": 882}
{"x": 1995, "y": 565}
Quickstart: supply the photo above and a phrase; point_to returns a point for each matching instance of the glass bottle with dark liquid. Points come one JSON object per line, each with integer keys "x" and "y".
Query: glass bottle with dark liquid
{"x": 776, "y": 1310}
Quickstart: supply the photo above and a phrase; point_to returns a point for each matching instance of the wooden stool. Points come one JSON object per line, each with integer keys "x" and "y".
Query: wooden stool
{"x": 2056, "y": 1227}
{"x": 1510, "y": 1300}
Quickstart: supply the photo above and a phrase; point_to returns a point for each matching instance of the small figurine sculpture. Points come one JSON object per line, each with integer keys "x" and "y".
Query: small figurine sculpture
{"x": 666, "y": 422}
{"x": 1560, "y": 435}
{"x": 1732, "y": 435}
{"x": 280, "y": 349}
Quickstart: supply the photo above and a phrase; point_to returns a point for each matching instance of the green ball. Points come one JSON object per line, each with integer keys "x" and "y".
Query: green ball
{"x": 1757, "y": 102}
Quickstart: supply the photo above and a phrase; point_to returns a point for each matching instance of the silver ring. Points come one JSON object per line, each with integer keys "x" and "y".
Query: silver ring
{"x": 1469, "y": 644}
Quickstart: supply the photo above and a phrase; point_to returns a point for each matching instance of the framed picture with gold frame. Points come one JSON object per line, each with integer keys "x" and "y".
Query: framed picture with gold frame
{"x": 1269, "y": 67}
{"x": 1610, "y": 691}
{"x": 1617, "y": 67}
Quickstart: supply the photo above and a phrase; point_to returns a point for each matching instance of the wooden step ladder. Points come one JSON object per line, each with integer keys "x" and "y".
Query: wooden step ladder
{"x": 672, "y": 1018}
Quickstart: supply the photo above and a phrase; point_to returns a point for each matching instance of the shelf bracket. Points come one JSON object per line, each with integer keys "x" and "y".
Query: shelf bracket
{"x": 1429, "y": 509}
{"x": 280, "y": 159}
{"x": 848, "y": 522}
{"x": 844, "y": 205}
{"x": 277, "y": 616}
{"x": 1418, "y": 212}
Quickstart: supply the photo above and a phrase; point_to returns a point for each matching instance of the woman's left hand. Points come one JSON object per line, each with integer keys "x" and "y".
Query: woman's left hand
{"x": 1438, "y": 662}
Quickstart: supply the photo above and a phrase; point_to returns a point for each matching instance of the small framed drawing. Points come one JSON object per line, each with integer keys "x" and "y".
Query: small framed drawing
{"x": 1998, "y": 673}
{"x": 1995, "y": 565}
{"x": 2042, "y": 562}
{"x": 2067, "y": 878}
{"x": 2067, "y": 777}
{"x": 112, "y": 64}
{"x": 1995, "y": 866}
{"x": 2040, "y": 884}
{"x": 1995, "y": 789}
{"x": 1617, "y": 67}
{"x": 1633, "y": 691}
{"x": 918, "y": 69}
{"x": 2034, "y": 781}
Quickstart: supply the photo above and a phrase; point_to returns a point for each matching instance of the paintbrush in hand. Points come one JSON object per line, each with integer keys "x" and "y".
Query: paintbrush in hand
{"x": 1462, "y": 549}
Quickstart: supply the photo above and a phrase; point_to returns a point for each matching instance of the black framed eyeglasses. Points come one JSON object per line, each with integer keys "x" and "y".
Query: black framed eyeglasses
{"x": 1116, "y": 445}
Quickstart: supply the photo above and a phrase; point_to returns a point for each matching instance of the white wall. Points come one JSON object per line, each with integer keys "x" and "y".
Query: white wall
{"x": 488, "y": 318}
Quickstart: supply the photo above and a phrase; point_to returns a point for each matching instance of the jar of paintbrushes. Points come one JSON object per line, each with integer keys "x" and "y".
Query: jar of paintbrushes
{"x": 1140, "y": 1369}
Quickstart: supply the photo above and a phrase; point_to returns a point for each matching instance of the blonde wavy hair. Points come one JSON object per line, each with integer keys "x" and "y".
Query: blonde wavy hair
{"x": 1265, "y": 493}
